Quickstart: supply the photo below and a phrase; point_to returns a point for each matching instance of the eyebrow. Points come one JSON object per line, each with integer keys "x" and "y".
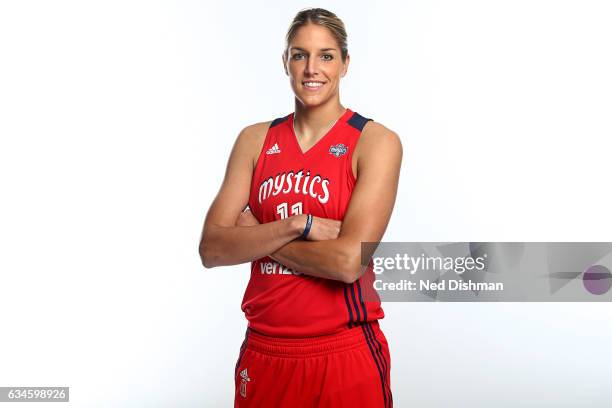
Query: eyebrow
{"x": 322, "y": 49}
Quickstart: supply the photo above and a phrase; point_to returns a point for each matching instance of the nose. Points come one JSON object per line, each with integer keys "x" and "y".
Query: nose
{"x": 311, "y": 66}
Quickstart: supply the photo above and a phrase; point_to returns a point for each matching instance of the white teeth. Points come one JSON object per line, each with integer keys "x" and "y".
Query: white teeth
{"x": 313, "y": 84}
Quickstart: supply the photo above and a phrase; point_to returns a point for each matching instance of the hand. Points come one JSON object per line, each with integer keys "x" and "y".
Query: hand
{"x": 322, "y": 228}
{"x": 246, "y": 219}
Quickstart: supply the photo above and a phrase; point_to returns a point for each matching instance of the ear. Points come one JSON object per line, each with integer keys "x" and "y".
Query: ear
{"x": 346, "y": 64}
{"x": 285, "y": 64}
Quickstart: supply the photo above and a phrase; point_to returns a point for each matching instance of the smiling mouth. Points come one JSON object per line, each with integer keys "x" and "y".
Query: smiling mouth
{"x": 313, "y": 85}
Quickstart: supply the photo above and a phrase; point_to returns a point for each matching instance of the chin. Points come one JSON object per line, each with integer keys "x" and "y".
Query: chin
{"x": 312, "y": 102}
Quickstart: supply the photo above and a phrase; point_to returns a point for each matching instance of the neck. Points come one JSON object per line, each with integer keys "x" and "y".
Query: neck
{"x": 310, "y": 121}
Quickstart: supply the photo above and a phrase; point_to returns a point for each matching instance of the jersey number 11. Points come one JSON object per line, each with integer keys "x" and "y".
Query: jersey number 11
{"x": 282, "y": 209}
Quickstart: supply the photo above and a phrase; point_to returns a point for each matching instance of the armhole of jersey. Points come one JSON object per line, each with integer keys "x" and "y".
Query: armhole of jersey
{"x": 358, "y": 122}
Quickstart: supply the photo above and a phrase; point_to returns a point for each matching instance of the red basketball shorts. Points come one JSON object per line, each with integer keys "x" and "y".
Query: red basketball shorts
{"x": 348, "y": 369}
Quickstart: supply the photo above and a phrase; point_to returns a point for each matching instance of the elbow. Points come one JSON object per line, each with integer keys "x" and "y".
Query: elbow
{"x": 351, "y": 269}
{"x": 208, "y": 260}
{"x": 206, "y": 263}
{"x": 351, "y": 275}
{"x": 205, "y": 260}
{"x": 349, "y": 278}
{"x": 210, "y": 253}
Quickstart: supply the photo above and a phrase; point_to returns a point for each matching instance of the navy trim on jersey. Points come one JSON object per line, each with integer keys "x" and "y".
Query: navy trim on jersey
{"x": 355, "y": 301}
{"x": 279, "y": 120}
{"x": 365, "y": 312}
{"x": 357, "y": 121}
{"x": 348, "y": 306}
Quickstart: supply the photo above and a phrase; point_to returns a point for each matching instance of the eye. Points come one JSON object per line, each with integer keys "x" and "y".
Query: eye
{"x": 331, "y": 57}
{"x": 297, "y": 55}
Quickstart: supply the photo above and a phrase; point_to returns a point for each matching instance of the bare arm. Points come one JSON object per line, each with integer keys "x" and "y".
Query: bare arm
{"x": 224, "y": 243}
{"x": 366, "y": 218}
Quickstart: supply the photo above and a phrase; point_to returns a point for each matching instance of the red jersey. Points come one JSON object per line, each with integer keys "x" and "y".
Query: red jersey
{"x": 282, "y": 302}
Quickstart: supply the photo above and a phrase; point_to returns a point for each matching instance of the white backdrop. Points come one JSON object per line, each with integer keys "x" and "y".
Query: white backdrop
{"x": 116, "y": 121}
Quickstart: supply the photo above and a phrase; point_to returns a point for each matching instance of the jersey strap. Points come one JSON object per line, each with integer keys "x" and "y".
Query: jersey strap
{"x": 278, "y": 121}
{"x": 357, "y": 121}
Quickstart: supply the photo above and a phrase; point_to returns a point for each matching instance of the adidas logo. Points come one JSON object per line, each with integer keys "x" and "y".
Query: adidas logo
{"x": 273, "y": 149}
{"x": 243, "y": 382}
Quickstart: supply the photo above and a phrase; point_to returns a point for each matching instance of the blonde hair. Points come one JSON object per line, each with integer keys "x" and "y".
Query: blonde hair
{"x": 323, "y": 18}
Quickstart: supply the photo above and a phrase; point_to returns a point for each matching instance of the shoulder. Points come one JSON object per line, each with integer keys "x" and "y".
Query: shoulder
{"x": 377, "y": 139}
{"x": 252, "y": 138}
{"x": 251, "y": 134}
{"x": 255, "y": 134}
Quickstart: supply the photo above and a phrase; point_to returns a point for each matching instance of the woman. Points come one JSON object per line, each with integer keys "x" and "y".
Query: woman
{"x": 318, "y": 182}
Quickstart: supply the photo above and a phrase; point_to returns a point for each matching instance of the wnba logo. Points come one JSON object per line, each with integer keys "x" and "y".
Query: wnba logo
{"x": 338, "y": 150}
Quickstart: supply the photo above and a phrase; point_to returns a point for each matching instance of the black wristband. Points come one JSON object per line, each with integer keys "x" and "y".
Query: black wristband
{"x": 308, "y": 225}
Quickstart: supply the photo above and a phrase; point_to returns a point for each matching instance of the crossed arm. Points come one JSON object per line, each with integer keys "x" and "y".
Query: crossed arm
{"x": 366, "y": 219}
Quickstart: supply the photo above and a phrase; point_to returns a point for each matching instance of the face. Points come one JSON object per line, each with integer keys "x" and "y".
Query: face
{"x": 314, "y": 65}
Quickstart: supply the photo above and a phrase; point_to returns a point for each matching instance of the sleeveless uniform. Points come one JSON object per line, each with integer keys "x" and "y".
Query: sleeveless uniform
{"x": 310, "y": 342}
